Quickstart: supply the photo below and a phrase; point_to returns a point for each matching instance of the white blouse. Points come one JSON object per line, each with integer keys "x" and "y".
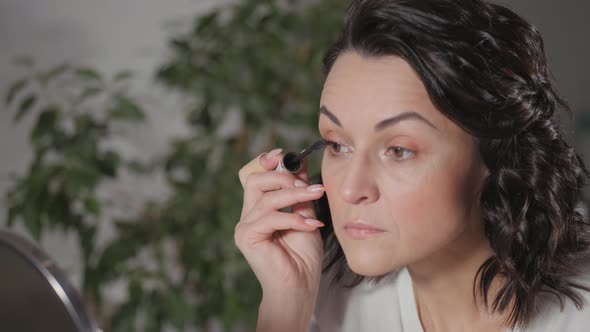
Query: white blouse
{"x": 390, "y": 306}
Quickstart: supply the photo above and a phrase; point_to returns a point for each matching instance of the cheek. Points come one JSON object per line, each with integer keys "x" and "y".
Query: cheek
{"x": 331, "y": 183}
{"x": 329, "y": 176}
{"x": 431, "y": 211}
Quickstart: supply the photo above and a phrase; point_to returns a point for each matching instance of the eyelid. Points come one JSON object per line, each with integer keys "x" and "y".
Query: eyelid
{"x": 330, "y": 143}
{"x": 392, "y": 146}
{"x": 412, "y": 152}
{"x": 407, "y": 150}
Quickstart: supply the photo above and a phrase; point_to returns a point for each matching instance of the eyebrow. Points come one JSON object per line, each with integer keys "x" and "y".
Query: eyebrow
{"x": 410, "y": 115}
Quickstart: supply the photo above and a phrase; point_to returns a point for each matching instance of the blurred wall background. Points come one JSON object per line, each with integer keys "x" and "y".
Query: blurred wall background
{"x": 130, "y": 34}
{"x": 109, "y": 35}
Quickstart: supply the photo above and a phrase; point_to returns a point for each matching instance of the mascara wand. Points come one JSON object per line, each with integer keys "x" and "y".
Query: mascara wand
{"x": 292, "y": 161}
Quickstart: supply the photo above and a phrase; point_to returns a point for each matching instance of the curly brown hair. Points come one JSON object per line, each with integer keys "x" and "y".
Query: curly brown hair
{"x": 485, "y": 69}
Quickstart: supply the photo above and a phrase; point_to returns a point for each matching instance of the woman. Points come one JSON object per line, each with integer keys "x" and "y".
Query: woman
{"x": 449, "y": 195}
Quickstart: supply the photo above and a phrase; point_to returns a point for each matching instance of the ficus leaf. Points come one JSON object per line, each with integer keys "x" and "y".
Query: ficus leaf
{"x": 126, "y": 110}
{"x": 14, "y": 89}
{"x": 90, "y": 92}
{"x": 25, "y": 107}
{"x": 88, "y": 73}
{"x": 53, "y": 72}
{"x": 92, "y": 205}
{"x": 45, "y": 125}
{"x": 122, "y": 75}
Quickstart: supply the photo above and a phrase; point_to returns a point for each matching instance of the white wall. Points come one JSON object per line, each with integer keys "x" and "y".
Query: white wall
{"x": 565, "y": 29}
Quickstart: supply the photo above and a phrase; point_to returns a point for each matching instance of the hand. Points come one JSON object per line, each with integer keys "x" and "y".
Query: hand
{"x": 283, "y": 249}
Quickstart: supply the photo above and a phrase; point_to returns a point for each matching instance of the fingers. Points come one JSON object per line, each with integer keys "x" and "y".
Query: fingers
{"x": 269, "y": 160}
{"x": 260, "y": 182}
{"x": 304, "y": 209}
{"x": 276, "y": 200}
{"x": 264, "y": 162}
{"x": 250, "y": 233}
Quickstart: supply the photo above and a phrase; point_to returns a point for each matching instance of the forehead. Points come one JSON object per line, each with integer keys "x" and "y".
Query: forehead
{"x": 371, "y": 89}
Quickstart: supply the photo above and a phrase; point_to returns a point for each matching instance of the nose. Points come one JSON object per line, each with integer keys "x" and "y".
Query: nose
{"x": 358, "y": 185}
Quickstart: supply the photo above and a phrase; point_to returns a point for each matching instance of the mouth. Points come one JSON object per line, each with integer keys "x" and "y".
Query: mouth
{"x": 359, "y": 229}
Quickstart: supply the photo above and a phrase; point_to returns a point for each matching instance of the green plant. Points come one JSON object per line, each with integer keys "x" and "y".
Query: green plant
{"x": 255, "y": 64}
{"x": 76, "y": 111}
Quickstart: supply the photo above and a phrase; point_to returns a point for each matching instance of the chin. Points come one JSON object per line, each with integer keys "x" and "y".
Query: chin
{"x": 370, "y": 265}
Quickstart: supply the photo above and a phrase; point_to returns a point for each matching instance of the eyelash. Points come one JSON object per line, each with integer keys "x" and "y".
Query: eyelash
{"x": 330, "y": 144}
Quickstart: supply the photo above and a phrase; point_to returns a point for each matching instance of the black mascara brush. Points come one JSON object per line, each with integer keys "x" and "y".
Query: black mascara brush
{"x": 292, "y": 161}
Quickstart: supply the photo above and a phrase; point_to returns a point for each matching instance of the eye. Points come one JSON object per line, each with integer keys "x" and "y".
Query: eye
{"x": 400, "y": 153}
{"x": 335, "y": 148}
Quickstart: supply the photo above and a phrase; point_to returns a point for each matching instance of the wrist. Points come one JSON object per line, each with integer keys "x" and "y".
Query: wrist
{"x": 286, "y": 312}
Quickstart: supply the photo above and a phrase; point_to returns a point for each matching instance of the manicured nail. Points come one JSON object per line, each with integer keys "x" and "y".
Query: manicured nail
{"x": 299, "y": 183}
{"x": 272, "y": 154}
{"x": 315, "y": 188}
{"x": 314, "y": 222}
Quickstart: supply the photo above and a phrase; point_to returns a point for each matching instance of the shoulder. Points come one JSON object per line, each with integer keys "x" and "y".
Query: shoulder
{"x": 360, "y": 308}
{"x": 552, "y": 316}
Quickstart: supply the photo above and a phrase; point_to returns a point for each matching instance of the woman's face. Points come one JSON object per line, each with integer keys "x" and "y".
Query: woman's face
{"x": 416, "y": 176}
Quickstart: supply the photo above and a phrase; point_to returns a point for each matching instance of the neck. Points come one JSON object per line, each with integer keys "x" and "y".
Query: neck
{"x": 444, "y": 288}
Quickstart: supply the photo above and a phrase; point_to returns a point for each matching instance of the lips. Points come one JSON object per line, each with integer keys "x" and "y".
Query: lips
{"x": 359, "y": 224}
{"x": 358, "y": 229}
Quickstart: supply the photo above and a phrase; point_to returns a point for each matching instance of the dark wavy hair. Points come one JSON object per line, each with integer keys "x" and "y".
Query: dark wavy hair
{"x": 485, "y": 69}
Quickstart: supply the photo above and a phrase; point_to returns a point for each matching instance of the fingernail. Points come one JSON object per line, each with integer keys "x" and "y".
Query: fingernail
{"x": 272, "y": 154}
{"x": 314, "y": 222}
{"x": 315, "y": 188}
{"x": 299, "y": 183}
